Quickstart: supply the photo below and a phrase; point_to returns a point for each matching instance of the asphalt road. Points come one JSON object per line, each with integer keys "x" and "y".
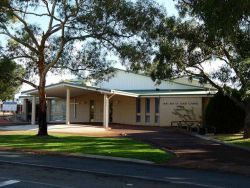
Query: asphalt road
{"x": 28, "y": 170}
{"x": 24, "y": 176}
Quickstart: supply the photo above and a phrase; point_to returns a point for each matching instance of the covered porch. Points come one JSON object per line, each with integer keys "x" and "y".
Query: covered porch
{"x": 81, "y": 104}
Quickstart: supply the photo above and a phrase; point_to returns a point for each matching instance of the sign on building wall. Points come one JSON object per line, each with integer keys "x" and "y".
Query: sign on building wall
{"x": 9, "y": 106}
{"x": 180, "y": 109}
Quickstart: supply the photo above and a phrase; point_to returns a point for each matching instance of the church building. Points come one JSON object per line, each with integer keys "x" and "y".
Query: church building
{"x": 125, "y": 98}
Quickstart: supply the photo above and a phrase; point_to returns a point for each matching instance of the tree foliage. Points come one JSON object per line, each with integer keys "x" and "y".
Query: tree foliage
{"x": 224, "y": 115}
{"x": 208, "y": 31}
{"x": 221, "y": 18}
{"x": 9, "y": 85}
{"x": 78, "y": 35}
{"x": 185, "y": 47}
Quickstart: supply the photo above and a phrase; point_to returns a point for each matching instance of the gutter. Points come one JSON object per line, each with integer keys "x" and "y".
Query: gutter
{"x": 125, "y": 93}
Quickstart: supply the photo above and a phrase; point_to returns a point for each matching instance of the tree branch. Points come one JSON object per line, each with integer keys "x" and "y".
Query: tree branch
{"x": 58, "y": 55}
{"x": 27, "y": 82}
{"x": 52, "y": 16}
{"x": 206, "y": 78}
{"x": 84, "y": 37}
{"x": 49, "y": 13}
{"x": 26, "y": 27}
{"x": 71, "y": 69}
{"x": 21, "y": 56}
{"x": 28, "y": 13}
{"x": 237, "y": 72}
{"x": 19, "y": 41}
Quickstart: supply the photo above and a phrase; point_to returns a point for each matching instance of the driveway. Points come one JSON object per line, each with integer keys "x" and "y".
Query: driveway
{"x": 194, "y": 152}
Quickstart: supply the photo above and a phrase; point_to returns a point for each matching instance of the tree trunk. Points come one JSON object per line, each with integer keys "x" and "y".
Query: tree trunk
{"x": 247, "y": 120}
{"x": 42, "y": 112}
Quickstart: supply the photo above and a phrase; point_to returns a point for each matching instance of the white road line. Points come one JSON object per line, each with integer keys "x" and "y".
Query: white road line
{"x": 9, "y": 182}
{"x": 36, "y": 182}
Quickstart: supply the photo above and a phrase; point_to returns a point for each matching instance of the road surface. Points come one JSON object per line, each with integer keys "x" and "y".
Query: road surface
{"x": 28, "y": 170}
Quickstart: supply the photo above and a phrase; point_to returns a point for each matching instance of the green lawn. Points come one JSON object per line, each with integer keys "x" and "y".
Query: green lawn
{"x": 116, "y": 147}
{"x": 236, "y": 139}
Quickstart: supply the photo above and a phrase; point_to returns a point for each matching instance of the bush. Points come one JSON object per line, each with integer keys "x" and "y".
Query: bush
{"x": 224, "y": 115}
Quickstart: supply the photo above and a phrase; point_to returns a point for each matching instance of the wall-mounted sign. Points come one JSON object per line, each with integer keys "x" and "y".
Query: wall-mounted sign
{"x": 180, "y": 109}
{"x": 181, "y": 103}
{"x": 9, "y": 106}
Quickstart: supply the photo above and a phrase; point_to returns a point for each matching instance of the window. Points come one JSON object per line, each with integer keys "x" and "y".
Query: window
{"x": 138, "y": 105}
{"x": 147, "y": 118}
{"x": 156, "y": 119}
{"x": 157, "y": 105}
{"x": 157, "y": 110}
{"x": 138, "y": 110}
{"x": 138, "y": 118}
{"x": 147, "y": 105}
{"x": 57, "y": 110}
{"x": 147, "y": 110}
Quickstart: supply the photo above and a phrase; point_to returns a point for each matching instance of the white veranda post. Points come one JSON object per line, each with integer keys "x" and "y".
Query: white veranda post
{"x": 68, "y": 107}
{"x": 48, "y": 109}
{"x": 24, "y": 109}
{"x": 105, "y": 111}
{"x": 33, "y": 111}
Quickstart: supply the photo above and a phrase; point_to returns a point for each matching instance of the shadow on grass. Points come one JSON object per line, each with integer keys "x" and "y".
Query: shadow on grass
{"x": 116, "y": 147}
{"x": 235, "y": 139}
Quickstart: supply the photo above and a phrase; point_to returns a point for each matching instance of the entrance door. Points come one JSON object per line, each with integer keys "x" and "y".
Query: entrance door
{"x": 92, "y": 111}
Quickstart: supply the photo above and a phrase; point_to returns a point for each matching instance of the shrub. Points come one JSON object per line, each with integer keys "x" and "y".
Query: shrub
{"x": 224, "y": 115}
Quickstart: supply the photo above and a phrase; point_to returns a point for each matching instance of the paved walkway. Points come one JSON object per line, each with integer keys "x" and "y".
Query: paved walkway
{"x": 80, "y": 129}
{"x": 192, "y": 152}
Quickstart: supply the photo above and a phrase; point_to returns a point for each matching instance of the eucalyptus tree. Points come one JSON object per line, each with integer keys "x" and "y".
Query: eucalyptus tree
{"x": 222, "y": 18}
{"x": 209, "y": 34}
{"x": 9, "y": 85}
{"x": 79, "y": 35}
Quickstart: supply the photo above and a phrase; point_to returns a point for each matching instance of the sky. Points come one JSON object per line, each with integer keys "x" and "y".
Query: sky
{"x": 171, "y": 11}
{"x": 170, "y": 6}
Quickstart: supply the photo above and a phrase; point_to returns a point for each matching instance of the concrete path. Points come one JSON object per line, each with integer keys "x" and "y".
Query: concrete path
{"x": 80, "y": 129}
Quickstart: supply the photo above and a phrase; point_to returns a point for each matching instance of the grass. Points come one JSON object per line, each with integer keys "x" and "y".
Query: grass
{"x": 115, "y": 147}
{"x": 236, "y": 139}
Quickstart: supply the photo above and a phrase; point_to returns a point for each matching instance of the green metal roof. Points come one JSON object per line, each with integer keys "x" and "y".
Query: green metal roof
{"x": 142, "y": 93}
{"x": 131, "y": 93}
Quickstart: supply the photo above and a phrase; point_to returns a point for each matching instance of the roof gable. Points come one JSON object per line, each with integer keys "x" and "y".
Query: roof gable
{"x": 124, "y": 80}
